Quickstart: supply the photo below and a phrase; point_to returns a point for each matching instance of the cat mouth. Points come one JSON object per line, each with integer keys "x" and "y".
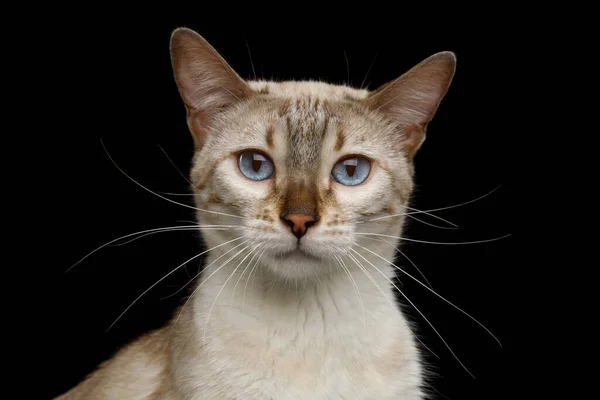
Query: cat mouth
{"x": 296, "y": 253}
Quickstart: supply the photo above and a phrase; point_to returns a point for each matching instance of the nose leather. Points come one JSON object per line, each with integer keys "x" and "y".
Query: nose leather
{"x": 299, "y": 223}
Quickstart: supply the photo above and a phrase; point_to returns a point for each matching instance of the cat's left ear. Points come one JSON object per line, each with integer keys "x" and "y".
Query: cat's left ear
{"x": 411, "y": 100}
{"x": 206, "y": 82}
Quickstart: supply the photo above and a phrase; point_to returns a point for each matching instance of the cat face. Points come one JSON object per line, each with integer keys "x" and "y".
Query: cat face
{"x": 303, "y": 166}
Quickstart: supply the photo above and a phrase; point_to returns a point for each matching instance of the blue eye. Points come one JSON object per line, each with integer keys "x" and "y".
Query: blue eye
{"x": 351, "y": 171}
{"x": 255, "y": 166}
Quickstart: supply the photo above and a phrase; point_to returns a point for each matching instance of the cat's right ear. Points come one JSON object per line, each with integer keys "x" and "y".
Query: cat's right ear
{"x": 206, "y": 82}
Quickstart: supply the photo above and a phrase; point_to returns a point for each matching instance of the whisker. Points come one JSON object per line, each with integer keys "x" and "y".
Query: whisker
{"x": 430, "y": 242}
{"x": 206, "y": 280}
{"x": 251, "y": 275}
{"x": 165, "y": 277}
{"x": 364, "y": 270}
{"x": 250, "y": 55}
{"x": 434, "y": 292}
{"x": 347, "y": 67}
{"x": 177, "y": 194}
{"x": 440, "y": 393}
{"x": 316, "y": 275}
{"x": 186, "y": 221}
{"x": 439, "y": 209}
{"x": 171, "y": 230}
{"x": 240, "y": 278}
{"x": 416, "y": 211}
{"x": 192, "y": 279}
{"x": 223, "y": 287}
{"x": 432, "y": 225}
{"x": 368, "y": 70}
{"x": 125, "y": 237}
{"x": 405, "y": 256}
{"x": 175, "y": 166}
{"x": 347, "y": 271}
{"x": 185, "y": 269}
{"x": 160, "y": 196}
{"x": 428, "y": 212}
{"x": 419, "y": 311}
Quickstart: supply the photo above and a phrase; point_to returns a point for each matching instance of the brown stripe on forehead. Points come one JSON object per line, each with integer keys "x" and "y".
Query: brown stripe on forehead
{"x": 284, "y": 108}
{"x": 340, "y": 138}
{"x": 307, "y": 120}
{"x": 270, "y": 132}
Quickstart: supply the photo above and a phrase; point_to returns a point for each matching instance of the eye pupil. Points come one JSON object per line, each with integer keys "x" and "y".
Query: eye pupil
{"x": 350, "y": 170}
{"x": 256, "y": 164}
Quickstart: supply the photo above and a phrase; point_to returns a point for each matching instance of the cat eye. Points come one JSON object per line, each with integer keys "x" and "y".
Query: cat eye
{"x": 255, "y": 166}
{"x": 351, "y": 171}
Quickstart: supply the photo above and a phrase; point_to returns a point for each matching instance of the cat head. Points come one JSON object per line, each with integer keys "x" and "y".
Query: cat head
{"x": 299, "y": 168}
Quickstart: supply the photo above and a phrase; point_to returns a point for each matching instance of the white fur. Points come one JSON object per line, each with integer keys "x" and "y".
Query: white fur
{"x": 310, "y": 341}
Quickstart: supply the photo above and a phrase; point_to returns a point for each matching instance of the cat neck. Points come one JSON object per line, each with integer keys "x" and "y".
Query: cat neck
{"x": 233, "y": 297}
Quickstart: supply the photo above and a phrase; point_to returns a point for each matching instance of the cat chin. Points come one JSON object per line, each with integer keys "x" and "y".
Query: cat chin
{"x": 296, "y": 264}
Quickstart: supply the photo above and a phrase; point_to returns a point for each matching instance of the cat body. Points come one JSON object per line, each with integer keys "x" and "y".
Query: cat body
{"x": 296, "y": 300}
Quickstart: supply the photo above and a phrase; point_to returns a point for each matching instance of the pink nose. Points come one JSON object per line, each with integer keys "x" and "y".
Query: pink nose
{"x": 299, "y": 223}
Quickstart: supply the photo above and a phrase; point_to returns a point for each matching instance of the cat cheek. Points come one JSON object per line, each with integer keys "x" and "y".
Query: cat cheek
{"x": 368, "y": 199}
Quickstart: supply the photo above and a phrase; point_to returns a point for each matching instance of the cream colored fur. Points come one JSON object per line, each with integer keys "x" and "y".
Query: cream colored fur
{"x": 287, "y": 319}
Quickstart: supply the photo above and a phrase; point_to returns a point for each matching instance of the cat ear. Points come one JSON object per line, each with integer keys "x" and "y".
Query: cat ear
{"x": 205, "y": 81}
{"x": 411, "y": 100}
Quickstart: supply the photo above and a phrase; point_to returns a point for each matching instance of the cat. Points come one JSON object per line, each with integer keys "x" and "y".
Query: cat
{"x": 296, "y": 300}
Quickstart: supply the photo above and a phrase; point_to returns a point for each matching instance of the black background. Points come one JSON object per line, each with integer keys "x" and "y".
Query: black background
{"x": 111, "y": 80}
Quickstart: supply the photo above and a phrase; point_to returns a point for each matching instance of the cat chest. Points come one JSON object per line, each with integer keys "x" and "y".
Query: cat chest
{"x": 330, "y": 369}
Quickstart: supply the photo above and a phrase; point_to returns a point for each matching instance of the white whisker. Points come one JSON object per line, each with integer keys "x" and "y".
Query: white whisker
{"x": 419, "y": 311}
{"x": 206, "y": 280}
{"x": 347, "y": 67}
{"x": 251, "y": 63}
{"x": 432, "y": 225}
{"x": 186, "y": 221}
{"x": 162, "y": 197}
{"x": 430, "y": 242}
{"x": 405, "y": 256}
{"x": 364, "y": 270}
{"x": 223, "y": 287}
{"x": 177, "y": 194}
{"x": 175, "y": 230}
{"x": 434, "y": 292}
{"x": 192, "y": 279}
{"x": 368, "y": 70}
{"x": 241, "y": 275}
{"x": 175, "y": 166}
{"x": 125, "y": 237}
{"x": 251, "y": 275}
{"x": 437, "y": 209}
{"x": 165, "y": 277}
{"x": 347, "y": 271}
{"x": 426, "y": 212}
